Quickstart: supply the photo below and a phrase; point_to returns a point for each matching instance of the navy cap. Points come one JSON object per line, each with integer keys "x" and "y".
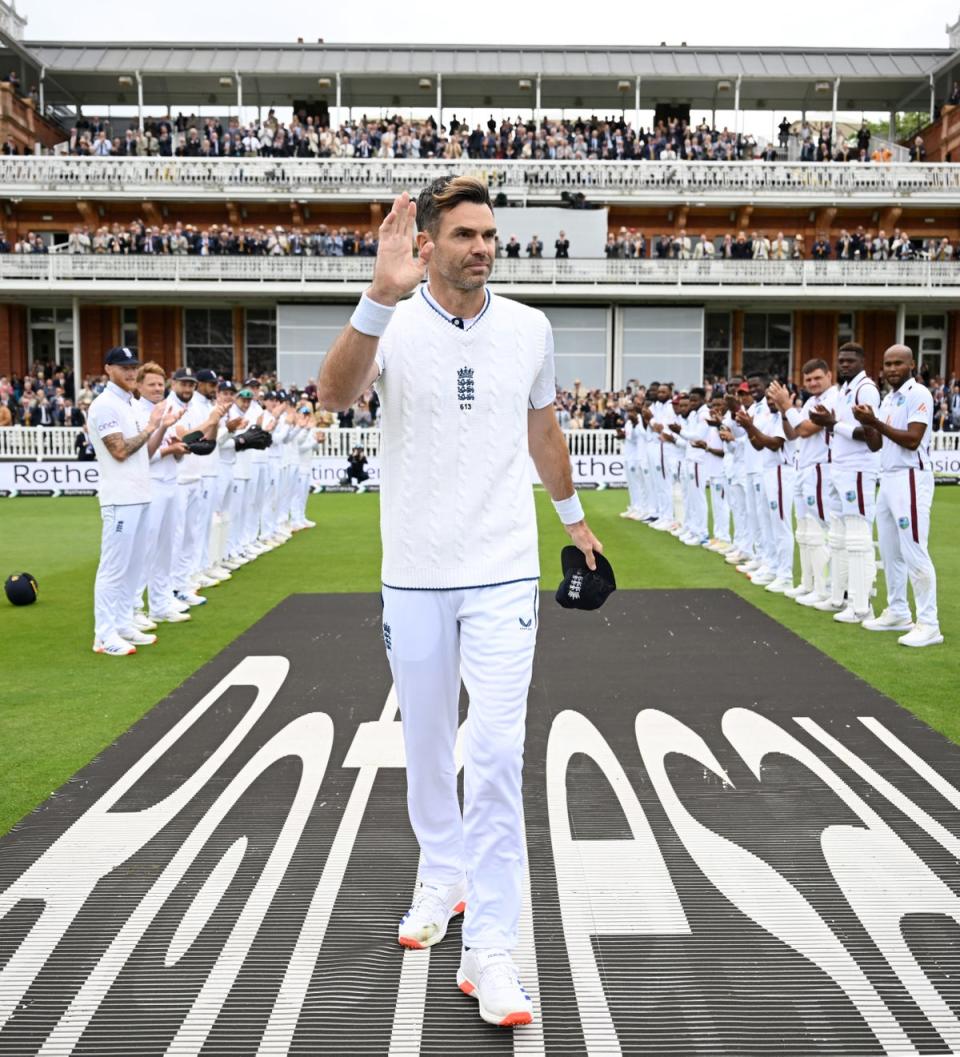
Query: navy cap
{"x": 206, "y": 375}
{"x": 121, "y": 356}
{"x": 272, "y": 395}
{"x": 580, "y": 587}
{"x": 226, "y": 386}
{"x": 184, "y": 374}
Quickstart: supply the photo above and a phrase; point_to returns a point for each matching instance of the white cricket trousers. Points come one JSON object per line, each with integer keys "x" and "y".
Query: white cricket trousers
{"x": 635, "y": 488}
{"x": 903, "y": 528}
{"x": 486, "y": 637}
{"x": 757, "y": 521}
{"x": 737, "y": 495}
{"x": 123, "y": 537}
{"x": 239, "y": 499}
{"x": 695, "y": 499}
{"x": 778, "y": 483}
{"x": 256, "y": 489}
{"x": 209, "y": 490}
{"x": 161, "y": 531}
{"x": 720, "y": 507}
{"x": 189, "y": 511}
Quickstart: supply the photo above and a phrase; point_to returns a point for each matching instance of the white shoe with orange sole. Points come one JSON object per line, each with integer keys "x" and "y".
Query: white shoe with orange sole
{"x": 489, "y": 975}
{"x": 425, "y": 923}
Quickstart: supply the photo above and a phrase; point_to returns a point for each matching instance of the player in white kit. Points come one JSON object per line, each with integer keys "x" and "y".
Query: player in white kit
{"x": 162, "y": 515}
{"x": 124, "y": 436}
{"x": 813, "y": 477}
{"x": 634, "y": 456}
{"x": 759, "y": 566}
{"x": 719, "y": 464}
{"x": 466, "y": 381}
{"x": 694, "y": 432}
{"x": 903, "y": 426}
{"x": 665, "y": 458}
{"x": 854, "y": 469}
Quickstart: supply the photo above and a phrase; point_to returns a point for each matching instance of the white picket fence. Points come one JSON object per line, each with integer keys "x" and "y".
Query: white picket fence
{"x": 57, "y": 442}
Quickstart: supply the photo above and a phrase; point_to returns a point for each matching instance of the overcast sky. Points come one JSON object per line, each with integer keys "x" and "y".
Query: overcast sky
{"x": 823, "y": 23}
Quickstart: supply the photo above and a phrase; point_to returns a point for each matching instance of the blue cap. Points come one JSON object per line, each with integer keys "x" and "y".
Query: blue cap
{"x": 121, "y": 356}
{"x": 204, "y": 374}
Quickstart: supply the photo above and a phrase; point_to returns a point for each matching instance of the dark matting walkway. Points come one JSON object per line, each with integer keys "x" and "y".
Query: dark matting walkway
{"x": 735, "y": 847}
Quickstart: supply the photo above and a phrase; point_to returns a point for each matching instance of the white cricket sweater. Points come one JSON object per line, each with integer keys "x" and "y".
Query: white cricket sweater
{"x": 456, "y": 500}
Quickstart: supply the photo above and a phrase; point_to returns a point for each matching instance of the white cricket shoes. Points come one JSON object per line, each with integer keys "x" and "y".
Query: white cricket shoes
{"x": 114, "y": 647}
{"x": 812, "y": 598}
{"x": 137, "y": 637}
{"x": 203, "y": 581}
{"x": 143, "y": 622}
{"x": 888, "y": 621}
{"x": 735, "y": 557}
{"x": 922, "y": 635}
{"x": 425, "y": 923}
{"x": 217, "y": 572}
{"x": 173, "y": 616}
{"x": 827, "y": 605}
{"x": 780, "y": 586}
{"x": 489, "y": 975}
{"x": 848, "y": 615}
{"x": 190, "y": 598}
{"x": 796, "y": 592}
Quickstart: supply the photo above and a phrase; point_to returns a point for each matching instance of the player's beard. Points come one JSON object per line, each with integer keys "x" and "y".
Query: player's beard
{"x": 461, "y": 277}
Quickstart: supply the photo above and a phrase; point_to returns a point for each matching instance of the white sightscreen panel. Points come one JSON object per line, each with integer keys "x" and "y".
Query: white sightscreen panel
{"x": 304, "y": 334}
{"x": 662, "y": 344}
{"x": 581, "y": 345}
{"x": 585, "y": 228}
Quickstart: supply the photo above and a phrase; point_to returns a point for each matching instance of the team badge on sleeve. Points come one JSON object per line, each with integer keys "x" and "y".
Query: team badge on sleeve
{"x": 773, "y": 504}
{"x": 811, "y": 499}
{"x": 851, "y": 496}
{"x": 903, "y": 522}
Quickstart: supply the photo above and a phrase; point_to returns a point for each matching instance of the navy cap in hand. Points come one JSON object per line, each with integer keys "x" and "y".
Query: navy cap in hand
{"x": 580, "y": 587}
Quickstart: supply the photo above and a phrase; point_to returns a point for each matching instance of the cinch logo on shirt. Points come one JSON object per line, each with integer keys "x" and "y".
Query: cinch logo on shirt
{"x": 386, "y": 636}
{"x": 465, "y": 390}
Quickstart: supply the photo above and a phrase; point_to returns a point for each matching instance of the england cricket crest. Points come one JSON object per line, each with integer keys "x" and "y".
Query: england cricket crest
{"x": 465, "y": 390}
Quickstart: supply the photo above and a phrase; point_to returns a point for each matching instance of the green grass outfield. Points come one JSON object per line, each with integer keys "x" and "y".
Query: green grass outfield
{"x": 61, "y": 704}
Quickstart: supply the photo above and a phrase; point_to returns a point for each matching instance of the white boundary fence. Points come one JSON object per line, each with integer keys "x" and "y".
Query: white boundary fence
{"x": 39, "y": 443}
{"x": 86, "y": 271}
{"x": 375, "y": 178}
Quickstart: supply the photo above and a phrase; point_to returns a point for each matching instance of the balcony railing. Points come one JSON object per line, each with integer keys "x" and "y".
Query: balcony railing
{"x": 44, "y": 443}
{"x": 376, "y": 179}
{"x": 86, "y": 272}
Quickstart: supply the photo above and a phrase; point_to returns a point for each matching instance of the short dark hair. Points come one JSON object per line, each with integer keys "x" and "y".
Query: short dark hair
{"x": 765, "y": 378}
{"x": 815, "y": 365}
{"x": 697, "y": 391}
{"x": 852, "y": 346}
{"x": 446, "y": 192}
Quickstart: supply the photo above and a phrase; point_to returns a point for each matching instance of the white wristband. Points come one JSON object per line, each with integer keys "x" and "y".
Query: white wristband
{"x": 845, "y": 429}
{"x": 569, "y": 510}
{"x": 371, "y": 318}
{"x": 794, "y": 417}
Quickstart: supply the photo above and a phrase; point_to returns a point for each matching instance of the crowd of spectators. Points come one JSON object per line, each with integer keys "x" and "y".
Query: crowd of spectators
{"x": 856, "y": 245}
{"x": 610, "y": 138}
{"x": 46, "y": 397}
{"x": 178, "y": 239}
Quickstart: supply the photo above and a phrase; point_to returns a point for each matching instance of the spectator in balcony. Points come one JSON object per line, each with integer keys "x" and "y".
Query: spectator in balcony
{"x": 880, "y": 247}
{"x": 534, "y": 247}
{"x": 561, "y": 247}
{"x": 704, "y": 250}
{"x": 918, "y": 152}
{"x": 808, "y": 150}
{"x": 942, "y": 251}
{"x": 742, "y": 249}
{"x": 863, "y": 138}
{"x": 779, "y": 248}
{"x": 680, "y": 246}
{"x": 784, "y": 130}
{"x": 726, "y": 247}
{"x": 821, "y": 248}
{"x": 102, "y": 147}
{"x": 759, "y": 246}
{"x": 4, "y": 244}
{"x": 9, "y": 147}
{"x": 844, "y": 246}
